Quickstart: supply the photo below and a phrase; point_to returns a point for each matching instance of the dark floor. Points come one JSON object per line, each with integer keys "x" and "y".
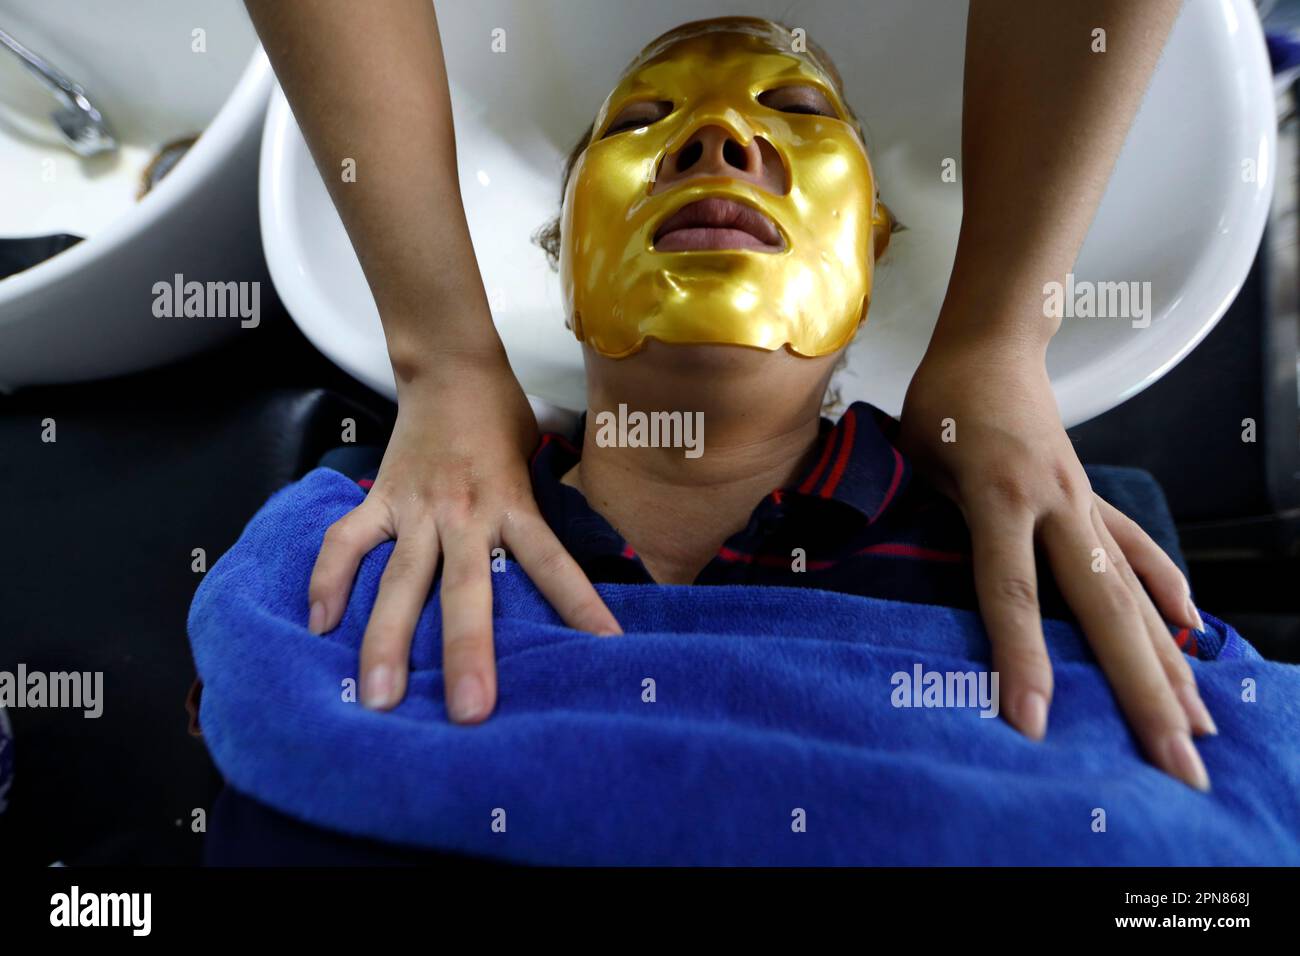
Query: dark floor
{"x": 99, "y": 532}
{"x": 100, "y": 528}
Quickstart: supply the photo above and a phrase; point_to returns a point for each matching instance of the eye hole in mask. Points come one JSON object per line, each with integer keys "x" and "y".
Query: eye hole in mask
{"x": 798, "y": 98}
{"x": 795, "y": 98}
{"x": 638, "y": 116}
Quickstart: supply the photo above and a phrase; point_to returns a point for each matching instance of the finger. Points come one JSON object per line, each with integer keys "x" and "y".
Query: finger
{"x": 562, "y": 582}
{"x": 1006, "y": 584}
{"x": 468, "y": 662}
{"x": 403, "y": 589}
{"x": 1164, "y": 582}
{"x": 1110, "y": 616}
{"x": 346, "y": 542}
{"x": 1172, "y": 660}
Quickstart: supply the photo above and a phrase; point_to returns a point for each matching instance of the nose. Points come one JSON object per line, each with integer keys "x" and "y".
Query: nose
{"x": 713, "y": 151}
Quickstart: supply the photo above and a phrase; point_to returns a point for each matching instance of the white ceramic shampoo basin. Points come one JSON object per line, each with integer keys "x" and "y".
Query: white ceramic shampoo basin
{"x": 1181, "y": 212}
{"x": 160, "y": 71}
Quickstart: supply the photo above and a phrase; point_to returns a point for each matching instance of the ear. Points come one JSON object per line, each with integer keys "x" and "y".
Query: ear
{"x": 883, "y": 225}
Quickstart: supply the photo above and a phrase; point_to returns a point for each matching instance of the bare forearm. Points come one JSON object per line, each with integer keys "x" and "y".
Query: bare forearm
{"x": 368, "y": 87}
{"x": 1044, "y": 118}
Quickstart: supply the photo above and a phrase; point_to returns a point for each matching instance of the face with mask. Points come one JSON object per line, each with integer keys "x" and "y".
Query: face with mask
{"x": 725, "y": 198}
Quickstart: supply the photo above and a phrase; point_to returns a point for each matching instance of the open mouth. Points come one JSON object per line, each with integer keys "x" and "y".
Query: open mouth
{"x": 717, "y": 223}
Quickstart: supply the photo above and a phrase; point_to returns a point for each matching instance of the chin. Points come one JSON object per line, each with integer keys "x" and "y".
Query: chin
{"x": 664, "y": 375}
{"x": 695, "y": 355}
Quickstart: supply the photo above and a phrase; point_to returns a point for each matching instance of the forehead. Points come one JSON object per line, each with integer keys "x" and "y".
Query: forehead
{"x": 748, "y": 53}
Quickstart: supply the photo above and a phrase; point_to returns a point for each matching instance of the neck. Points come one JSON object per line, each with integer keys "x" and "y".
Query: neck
{"x": 758, "y": 432}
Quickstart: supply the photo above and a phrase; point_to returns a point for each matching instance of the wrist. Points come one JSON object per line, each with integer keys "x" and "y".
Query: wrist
{"x": 998, "y": 335}
{"x": 431, "y": 324}
{"x": 431, "y": 364}
{"x": 997, "y": 293}
{"x": 1002, "y": 317}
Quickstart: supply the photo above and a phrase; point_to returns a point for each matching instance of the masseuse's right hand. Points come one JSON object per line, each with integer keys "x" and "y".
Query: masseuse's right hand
{"x": 454, "y": 481}
{"x": 454, "y": 484}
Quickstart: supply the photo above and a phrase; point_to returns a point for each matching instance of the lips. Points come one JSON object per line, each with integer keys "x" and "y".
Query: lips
{"x": 717, "y": 223}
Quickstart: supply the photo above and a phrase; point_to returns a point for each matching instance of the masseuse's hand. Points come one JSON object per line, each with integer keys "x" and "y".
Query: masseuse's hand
{"x": 453, "y": 484}
{"x": 1015, "y": 476}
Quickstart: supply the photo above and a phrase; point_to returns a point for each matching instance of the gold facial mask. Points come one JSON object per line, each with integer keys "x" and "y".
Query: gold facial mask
{"x": 810, "y": 295}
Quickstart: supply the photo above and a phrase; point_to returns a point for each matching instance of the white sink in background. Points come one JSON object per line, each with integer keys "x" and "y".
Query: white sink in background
{"x": 88, "y": 312}
{"x": 1178, "y": 212}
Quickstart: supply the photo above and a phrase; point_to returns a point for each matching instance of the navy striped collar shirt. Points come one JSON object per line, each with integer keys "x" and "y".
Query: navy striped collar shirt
{"x": 856, "y": 522}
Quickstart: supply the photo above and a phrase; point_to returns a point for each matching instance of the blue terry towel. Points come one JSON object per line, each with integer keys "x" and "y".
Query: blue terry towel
{"x": 772, "y": 736}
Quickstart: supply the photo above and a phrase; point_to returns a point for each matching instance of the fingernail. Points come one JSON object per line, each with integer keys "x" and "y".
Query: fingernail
{"x": 377, "y": 688}
{"x": 607, "y": 632}
{"x": 1195, "y": 615}
{"x": 468, "y": 700}
{"x": 1184, "y": 762}
{"x": 316, "y": 620}
{"x": 1031, "y": 714}
{"x": 1196, "y": 710}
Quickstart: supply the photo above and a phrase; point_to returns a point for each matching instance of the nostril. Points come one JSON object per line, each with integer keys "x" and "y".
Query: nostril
{"x": 733, "y": 154}
{"x": 689, "y": 156}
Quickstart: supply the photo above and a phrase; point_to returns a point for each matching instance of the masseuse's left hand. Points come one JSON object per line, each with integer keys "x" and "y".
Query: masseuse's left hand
{"x": 1016, "y": 478}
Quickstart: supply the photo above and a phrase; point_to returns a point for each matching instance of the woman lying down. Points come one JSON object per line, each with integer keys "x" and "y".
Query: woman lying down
{"x": 802, "y": 676}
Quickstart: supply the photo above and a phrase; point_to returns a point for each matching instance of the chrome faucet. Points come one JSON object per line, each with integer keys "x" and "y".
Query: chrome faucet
{"x": 84, "y": 128}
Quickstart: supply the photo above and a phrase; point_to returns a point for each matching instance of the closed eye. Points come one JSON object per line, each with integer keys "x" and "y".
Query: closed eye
{"x": 801, "y": 98}
{"x": 804, "y": 108}
{"x": 637, "y": 115}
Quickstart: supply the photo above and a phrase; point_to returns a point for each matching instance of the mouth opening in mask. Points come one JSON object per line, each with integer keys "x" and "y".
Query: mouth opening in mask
{"x": 715, "y": 223}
